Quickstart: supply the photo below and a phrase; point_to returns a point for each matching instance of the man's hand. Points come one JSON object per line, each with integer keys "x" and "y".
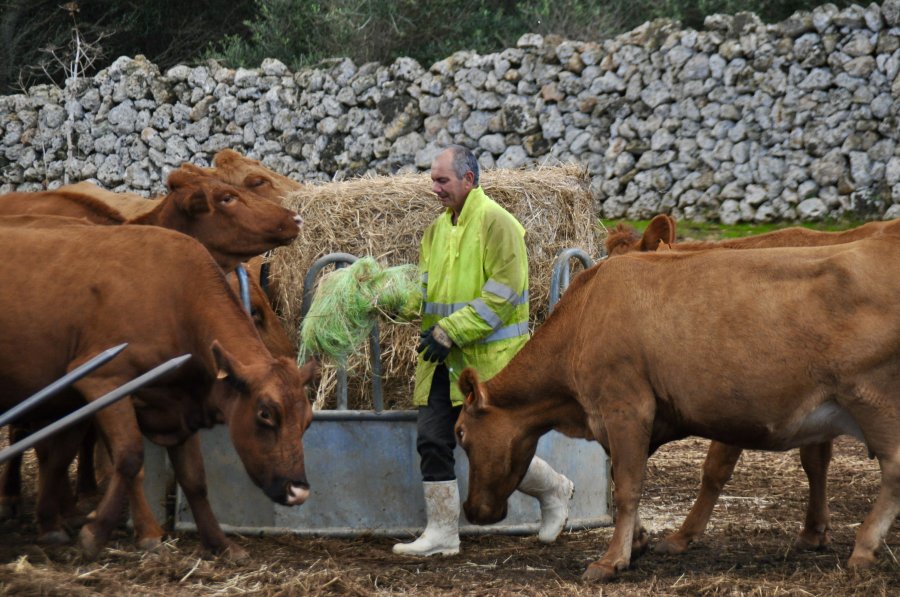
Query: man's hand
{"x": 434, "y": 344}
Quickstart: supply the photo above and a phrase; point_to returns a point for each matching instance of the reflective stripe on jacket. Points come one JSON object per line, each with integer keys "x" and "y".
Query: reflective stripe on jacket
{"x": 475, "y": 286}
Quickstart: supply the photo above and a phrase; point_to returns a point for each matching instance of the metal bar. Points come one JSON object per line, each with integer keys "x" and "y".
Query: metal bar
{"x": 393, "y": 416}
{"x": 61, "y": 383}
{"x": 92, "y": 407}
{"x": 559, "y": 278}
{"x": 244, "y": 285}
{"x": 375, "y": 350}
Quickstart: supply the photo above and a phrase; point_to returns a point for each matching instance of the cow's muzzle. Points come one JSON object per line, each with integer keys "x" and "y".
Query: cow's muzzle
{"x": 484, "y": 513}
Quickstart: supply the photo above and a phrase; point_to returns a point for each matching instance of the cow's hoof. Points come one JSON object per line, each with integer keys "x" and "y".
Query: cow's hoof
{"x": 58, "y": 537}
{"x": 149, "y": 543}
{"x": 860, "y": 562}
{"x": 598, "y": 573}
{"x": 88, "y": 544}
{"x": 672, "y": 545}
{"x": 234, "y": 553}
{"x": 813, "y": 540}
{"x": 640, "y": 543}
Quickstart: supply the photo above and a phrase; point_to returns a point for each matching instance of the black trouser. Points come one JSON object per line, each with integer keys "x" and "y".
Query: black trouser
{"x": 435, "y": 439}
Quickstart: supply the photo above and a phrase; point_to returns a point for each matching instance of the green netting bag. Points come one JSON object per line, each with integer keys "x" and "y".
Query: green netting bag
{"x": 347, "y": 304}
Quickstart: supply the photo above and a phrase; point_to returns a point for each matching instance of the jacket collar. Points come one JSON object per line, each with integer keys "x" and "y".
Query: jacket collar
{"x": 474, "y": 201}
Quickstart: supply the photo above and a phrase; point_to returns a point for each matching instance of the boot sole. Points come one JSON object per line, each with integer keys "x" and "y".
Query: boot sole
{"x": 436, "y": 552}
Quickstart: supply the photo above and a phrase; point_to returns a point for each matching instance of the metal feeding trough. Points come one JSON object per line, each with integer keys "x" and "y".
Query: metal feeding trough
{"x": 363, "y": 469}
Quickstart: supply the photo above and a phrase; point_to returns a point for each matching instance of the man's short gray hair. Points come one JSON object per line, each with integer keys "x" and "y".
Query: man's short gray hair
{"x": 464, "y": 161}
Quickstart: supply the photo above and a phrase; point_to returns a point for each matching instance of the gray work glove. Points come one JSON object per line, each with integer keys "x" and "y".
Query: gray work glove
{"x": 434, "y": 344}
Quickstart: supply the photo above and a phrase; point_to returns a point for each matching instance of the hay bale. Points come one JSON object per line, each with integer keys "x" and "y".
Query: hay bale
{"x": 384, "y": 217}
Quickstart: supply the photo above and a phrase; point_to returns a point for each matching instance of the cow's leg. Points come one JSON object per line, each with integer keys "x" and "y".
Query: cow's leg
{"x": 717, "y": 469}
{"x": 816, "y": 531}
{"x": 879, "y": 520}
{"x": 640, "y": 539}
{"x": 87, "y": 478}
{"x": 11, "y": 479}
{"x": 147, "y": 532}
{"x": 628, "y": 425}
{"x": 118, "y": 425}
{"x": 187, "y": 460}
{"x": 54, "y": 493}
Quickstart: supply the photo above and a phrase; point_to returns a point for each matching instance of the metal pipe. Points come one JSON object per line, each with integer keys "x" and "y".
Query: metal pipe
{"x": 60, "y": 384}
{"x": 559, "y": 278}
{"x": 244, "y": 285}
{"x": 92, "y": 407}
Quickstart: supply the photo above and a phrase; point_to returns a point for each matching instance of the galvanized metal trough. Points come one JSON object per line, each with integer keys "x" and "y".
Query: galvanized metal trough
{"x": 363, "y": 470}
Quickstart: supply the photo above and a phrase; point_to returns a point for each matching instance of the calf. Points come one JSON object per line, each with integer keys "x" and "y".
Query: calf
{"x": 799, "y": 345}
{"x": 102, "y": 291}
{"x": 721, "y": 458}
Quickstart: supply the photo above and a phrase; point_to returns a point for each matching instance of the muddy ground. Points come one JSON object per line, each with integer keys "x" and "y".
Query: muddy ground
{"x": 747, "y": 549}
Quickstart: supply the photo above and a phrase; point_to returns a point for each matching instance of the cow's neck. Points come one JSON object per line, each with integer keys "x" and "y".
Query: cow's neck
{"x": 536, "y": 387}
{"x": 225, "y": 321}
{"x": 156, "y": 217}
{"x": 537, "y": 383}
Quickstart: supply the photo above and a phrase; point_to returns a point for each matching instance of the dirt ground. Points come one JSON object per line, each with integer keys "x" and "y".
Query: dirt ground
{"x": 748, "y": 549}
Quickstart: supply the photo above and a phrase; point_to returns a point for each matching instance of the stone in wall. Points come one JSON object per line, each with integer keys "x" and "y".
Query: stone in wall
{"x": 738, "y": 122}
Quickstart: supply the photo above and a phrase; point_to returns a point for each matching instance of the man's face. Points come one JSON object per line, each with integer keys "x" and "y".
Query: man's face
{"x": 451, "y": 191}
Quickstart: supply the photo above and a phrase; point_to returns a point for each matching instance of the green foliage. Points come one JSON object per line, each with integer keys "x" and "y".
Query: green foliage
{"x": 347, "y": 304}
{"x": 302, "y": 32}
{"x": 34, "y": 34}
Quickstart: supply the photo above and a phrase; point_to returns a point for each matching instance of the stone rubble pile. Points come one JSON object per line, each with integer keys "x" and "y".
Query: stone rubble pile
{"x": 739, "y": 122}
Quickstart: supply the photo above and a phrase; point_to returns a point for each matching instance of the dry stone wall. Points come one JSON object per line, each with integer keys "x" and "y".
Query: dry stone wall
{"x": 741, "y": 121}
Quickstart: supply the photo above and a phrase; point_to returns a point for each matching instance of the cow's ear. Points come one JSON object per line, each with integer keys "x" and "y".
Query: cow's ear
{"x": 470, "y": 386}
{"x": 660, "y": 228}
{"x": 227, "y": 368}
{"x": 190, "y": 199}
{"x": 223, "y": 156}
{"x": 194, "y": 170}
{"x": 312, "y": 372}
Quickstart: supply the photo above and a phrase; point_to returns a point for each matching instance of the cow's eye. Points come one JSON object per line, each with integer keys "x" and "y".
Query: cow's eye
{"x": 255, "y": 182}
{"x": 227, "y": 199}
{"x": 264, "y": 416}
{"x": 460, "y": 434}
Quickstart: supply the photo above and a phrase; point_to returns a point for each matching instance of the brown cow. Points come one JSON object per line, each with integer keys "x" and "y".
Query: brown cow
{"x": 232, "y": 223}
{"x": 242, "y": 171}
{"x": 229, "y": 166}
{"x": 661, "y": 229}
{"x": 102, "y": 292}
{"x": 798, "y": 345}
{"x": 722, "y": 459}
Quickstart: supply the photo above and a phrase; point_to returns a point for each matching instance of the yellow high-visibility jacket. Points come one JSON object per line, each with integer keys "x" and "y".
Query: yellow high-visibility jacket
{"x": 474, "y": 286}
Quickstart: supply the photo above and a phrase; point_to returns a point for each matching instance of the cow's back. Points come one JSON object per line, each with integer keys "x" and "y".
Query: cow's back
{"x": 60, "y": 203}
{"x": 774, "y": 327}
{"x": 75, "y": 291}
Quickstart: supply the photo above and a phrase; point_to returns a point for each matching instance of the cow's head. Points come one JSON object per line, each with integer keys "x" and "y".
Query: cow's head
{"x": 239, "y": 170}
{"x": 267, "y": 411}
{"x": 233, "y": 223}
{"x": 624, "y": 239}
{"x": 266, "y": 321}
{"x": 499, "y": 451}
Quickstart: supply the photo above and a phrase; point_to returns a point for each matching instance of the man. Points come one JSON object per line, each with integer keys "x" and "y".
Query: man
{"x": 475, "y": 314}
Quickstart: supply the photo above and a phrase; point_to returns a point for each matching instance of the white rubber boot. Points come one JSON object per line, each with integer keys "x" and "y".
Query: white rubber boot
{"x": 441, "y": 535}
{"x": 553, "y": 491}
